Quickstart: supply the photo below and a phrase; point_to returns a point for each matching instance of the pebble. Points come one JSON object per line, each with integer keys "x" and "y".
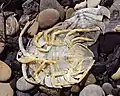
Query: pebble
{"x": 2, "y": 45}
{"x": 5, "y": 71}
{"x": 69, "y": 13}
{"x": 116, "y": 75}
{"x": 6, "y": 90}
{"x": 115, "y": 91}
{"x": 19, "y": 93}
{"x": 75, "y": 88}
{"x": 107, "y": 87}
{"x": 92, "y": 90}
{"x": 33, "y": 29}
{"x": 30, "y": 6}
{"x": 90, "y": 80}
{"x": 23, "y": 85}
{"x": 45, "y": 4}
{"x": 12, "y": 25}
{"x": 48, "y": 18}
{"x": 23, "y": 19}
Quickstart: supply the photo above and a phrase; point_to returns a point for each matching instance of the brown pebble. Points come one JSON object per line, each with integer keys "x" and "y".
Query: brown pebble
{"x": 33, "y": 29}
{"x": 5, "y": 89}
{"x": 5, "y": 71}
{"x": 48, "y": 18}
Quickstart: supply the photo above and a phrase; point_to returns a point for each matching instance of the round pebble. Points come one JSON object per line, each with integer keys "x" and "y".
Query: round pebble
{"x": 48, "y": 18}
{"x": 69, "y": 13}
{"x": 46, "y": 4}
{"x": 5, "y": 71}
{"x": 5, "y": 89}
{"x": 23, "y": 85}
{"x": 92, "y": 90}
{"x": 107, "y": 87}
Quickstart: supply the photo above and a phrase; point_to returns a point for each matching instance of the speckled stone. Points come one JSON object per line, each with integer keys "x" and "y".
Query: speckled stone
{"x": 92, "y": 90}
{"x": 5, "y": 71}
{"x": 107, "y": 87}
{"x": 6, "y": 90}
{"x": 48, "y": 18}
{"x": 23, "y": 85}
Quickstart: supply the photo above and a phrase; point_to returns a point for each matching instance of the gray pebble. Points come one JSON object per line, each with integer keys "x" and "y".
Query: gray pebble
{"x": 92, "y": 90}
{"x": 22, "y": 94}
{"x": 23, "y": 85}
{"x": 107, "y": 87}
{"x": 30, "y": 6}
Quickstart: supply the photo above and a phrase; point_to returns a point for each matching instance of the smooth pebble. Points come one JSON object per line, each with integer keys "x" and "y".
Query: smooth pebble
{"x": 23, "y": 85}
{"x": 107, "y": 87}
{"x": 48, "y": 18}
{"x": 45, "y": 4}
{"x": 92, "y": 90}
{"x": 6, "y": 90}
{"x": 5, "y": 71}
